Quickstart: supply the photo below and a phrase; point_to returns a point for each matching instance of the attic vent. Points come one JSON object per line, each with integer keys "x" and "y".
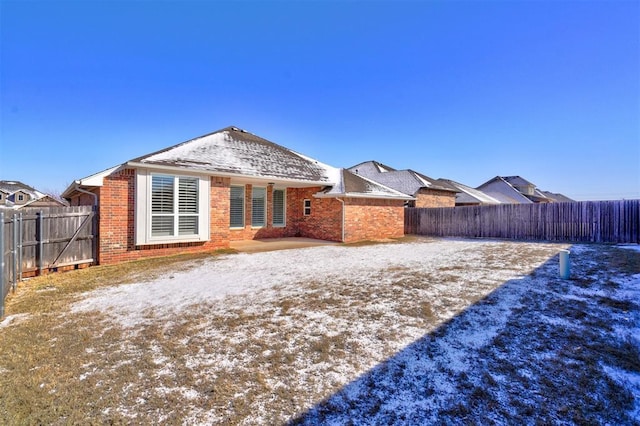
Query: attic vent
{"x": 235, "y": 128}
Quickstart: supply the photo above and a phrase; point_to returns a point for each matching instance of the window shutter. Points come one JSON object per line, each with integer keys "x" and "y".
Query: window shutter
{"x": 237, "y": 207}
{"x": 162, "y": 194}
{"x": 278, "y": 207}
{"x": 258, "y": 214}
{"x": 188, "y": 195}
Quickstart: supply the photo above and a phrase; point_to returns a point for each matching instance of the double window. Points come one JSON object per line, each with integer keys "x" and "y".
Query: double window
{"x": 174, "y": 206}
{"x": 171, "y": 208}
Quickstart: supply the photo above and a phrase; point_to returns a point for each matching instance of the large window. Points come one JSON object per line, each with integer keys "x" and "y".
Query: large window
{"x": 258, "y": 206}
{"x": 171, "y": 208}
{"x": 174, "y": 206}
{"x": 278, "y": 207}
{"x": 237, "y": 207}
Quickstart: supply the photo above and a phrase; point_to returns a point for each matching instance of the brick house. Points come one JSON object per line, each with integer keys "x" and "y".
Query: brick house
{"x": 226, "y": 186}
{"x": 427, "y": 192}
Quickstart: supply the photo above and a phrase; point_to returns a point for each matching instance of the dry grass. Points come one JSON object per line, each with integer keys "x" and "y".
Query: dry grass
{"x": 242, "y": 359}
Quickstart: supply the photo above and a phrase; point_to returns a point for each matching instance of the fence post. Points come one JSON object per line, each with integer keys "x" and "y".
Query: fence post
{"x": 20, "y": 246}
{"x": 40, "y": 251}
{"x": 2, "y": 271}
{"x": 14, "y": 252}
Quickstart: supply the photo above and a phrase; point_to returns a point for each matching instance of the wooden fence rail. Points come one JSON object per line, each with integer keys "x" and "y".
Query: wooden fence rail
{"x": 38, "y": 240}
{"x": 584, "y": 221}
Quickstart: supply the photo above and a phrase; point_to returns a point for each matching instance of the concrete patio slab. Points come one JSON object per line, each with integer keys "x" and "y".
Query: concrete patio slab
{"x": 271, "y": 244}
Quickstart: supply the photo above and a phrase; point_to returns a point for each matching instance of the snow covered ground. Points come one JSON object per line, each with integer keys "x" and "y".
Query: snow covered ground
{"x": 433, "y": 331}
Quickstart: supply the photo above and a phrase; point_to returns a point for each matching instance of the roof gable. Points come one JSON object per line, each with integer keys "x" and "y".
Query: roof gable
{"x": 238, "y": 152}
{"x": 406, "y": 181}
{"x": 352, "y": 185}
{"x": 468, "y": 195}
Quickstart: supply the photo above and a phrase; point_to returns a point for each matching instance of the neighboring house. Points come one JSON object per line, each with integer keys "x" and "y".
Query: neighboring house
{"x": 558, "y": 198}
{"x": 231, "y": 185}
{"x": 16, "y": 195}
{"x": 468, "y": 196}
{"x": 427, "y": 192}
{"x": 513, "y": 190}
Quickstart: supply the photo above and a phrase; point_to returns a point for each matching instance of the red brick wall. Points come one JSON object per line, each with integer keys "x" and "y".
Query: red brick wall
{"x": 369, "y": 219}
{"x": 434, "y": 198}
{"x": 325, "y": 220}
{"x": 117, "y": 218}
{"x": 365, "y": 219}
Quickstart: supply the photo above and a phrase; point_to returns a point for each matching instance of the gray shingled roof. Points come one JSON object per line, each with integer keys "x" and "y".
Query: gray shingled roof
{"x": 352, "y": 185}
{"x": 406, "y": 181}
{"x": 237, "y": 152}
{"x": 468, "y": 195}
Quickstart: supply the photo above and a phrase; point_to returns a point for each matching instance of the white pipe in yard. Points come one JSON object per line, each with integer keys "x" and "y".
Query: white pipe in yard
{"x": 565, "y": 264}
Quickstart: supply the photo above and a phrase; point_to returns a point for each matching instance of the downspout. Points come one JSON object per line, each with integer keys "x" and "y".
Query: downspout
{"x": 84, "y": 191}
{"x": 343, "y": 214}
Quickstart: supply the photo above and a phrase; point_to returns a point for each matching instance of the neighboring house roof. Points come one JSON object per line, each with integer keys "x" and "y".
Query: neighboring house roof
{"x": 558, "y": 198}
{"x": 11, "y": 188}
{"x": 468, "y": 195}
{"x": 503, "y": 191}
{"x": 236, "y": 153}
{"x": 406, "y": 181}
{"x": 351, "y": 185}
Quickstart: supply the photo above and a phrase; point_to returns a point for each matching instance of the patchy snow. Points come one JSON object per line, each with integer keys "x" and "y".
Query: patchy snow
{"x": 248, "y": 273}
{"x": 635, "y": 247}
{"x": 13, "y": 320}
{"x": 436, "y": 331}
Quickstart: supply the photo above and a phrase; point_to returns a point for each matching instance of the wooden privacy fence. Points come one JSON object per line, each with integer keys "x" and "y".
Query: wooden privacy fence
{"x": 584, "y": 221}
{"x": 36, "y": 241}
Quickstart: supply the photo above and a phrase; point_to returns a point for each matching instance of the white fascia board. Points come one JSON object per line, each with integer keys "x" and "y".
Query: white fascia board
{"x": 361, "y": 195}
{"x": 236, "y": 178}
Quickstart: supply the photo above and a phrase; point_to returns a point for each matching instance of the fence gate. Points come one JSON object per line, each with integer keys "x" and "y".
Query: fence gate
{"x": 36, "y": 241}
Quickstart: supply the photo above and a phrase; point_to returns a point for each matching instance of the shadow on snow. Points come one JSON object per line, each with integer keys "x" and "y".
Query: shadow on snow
{"x": 537, "y": 349}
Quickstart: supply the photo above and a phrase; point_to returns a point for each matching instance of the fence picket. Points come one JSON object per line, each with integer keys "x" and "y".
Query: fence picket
{"x": 594, "y": 221}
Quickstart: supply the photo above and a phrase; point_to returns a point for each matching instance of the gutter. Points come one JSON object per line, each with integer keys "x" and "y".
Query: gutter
{"x": 76, "y": 187}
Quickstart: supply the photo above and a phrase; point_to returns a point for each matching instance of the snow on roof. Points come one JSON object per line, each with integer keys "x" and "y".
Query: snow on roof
{"x": 352, "y": 185}
{"x": 469, "y": 195}
{"x": 406, "y": 181}
{"x": 238, "y": 152}
{"x": 12, "y": 186}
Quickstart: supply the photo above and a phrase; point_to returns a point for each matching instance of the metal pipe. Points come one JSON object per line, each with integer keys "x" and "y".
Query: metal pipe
{"x": 565, "y": 264}
{"x": 84, "y": 191}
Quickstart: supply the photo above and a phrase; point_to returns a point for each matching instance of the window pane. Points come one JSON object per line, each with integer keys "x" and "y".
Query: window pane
{"x": 278, "y": 207}
{"x": 258, "y": 198}
{"x": 188, "y": 225}
{"x": 237, "y": 207}
{"x": 162, "y": 226}
{"x": 162, "y": 194}
{"x": 188, "y": 195}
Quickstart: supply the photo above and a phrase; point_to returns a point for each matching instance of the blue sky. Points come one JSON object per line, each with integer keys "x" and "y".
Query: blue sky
{"x": 465, "y": 90}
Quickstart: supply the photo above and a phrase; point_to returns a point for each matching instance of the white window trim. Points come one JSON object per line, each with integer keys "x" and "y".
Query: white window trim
{"x": 304, "y": 207}
{"x": 143, "y": 210}
{"x": 264, "y": 207}
{"x": 284, "y": 209}
{"x": 244, "y": 206}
